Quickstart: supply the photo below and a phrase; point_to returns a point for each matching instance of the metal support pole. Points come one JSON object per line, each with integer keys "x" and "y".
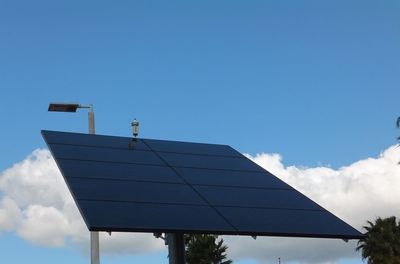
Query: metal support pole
{"x": 94, "y": 236}
{"x": 91, "y": 120}
{"x": 94, "y": 248}
{"x": 176, "y": 248}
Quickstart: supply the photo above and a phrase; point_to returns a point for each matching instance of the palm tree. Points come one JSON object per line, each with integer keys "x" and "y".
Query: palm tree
{"x": 381, "y": 243}
{"x": 205, "y": 249}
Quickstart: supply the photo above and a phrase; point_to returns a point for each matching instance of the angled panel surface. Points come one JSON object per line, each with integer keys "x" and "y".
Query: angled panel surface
{"x": 131, "y": 191}
{"x": 191, "y": 148}
{"x": 283, "y": 222}
{"x": 256, "y": 197}
{"x": 118, "y": 171}
{"x": 105, "y": 154}
{"x": 143, "y": 217}
{"x": 165, "y": 186}
{"x": 231, "y": 178}
{"x": 210, "y": 162}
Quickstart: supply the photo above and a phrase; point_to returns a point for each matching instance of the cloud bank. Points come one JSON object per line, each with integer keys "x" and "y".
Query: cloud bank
{"x": 356, "y": 193}
{"x": 36, "y": 205}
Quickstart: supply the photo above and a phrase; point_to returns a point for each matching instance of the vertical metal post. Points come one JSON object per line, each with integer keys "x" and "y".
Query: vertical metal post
{"x": 94, "y": 248}
{"x": 176, "y": 248}
{"x": 94, "y": 236}
{"x": 91, "y": 120}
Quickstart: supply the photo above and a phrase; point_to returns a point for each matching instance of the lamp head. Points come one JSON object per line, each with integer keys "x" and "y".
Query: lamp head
{"x": 63, "y": 107}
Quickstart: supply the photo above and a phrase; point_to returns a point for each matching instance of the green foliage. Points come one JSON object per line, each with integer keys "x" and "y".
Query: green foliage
{"x": 205, "y": 249}
{"x": 381, "y": 244}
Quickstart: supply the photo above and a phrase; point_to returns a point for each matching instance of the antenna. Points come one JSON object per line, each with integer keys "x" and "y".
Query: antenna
{"x": 135, "y": 128}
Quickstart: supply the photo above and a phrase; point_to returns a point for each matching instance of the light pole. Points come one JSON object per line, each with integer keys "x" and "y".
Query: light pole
{"x": 72, "y": 107}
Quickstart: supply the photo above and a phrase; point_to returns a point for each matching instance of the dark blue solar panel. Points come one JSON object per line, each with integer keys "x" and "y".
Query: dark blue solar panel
{"x": 210, "y": 162}
{"x": 256, "y": 197}
{"x": 145, "y": 217}
{"x": 303, "y": 223}
{"x": 132, "y": 191}
{"x": 165, "y": 186}
{"x": 118, "y": 171}
{"x": 191, "y": 148}
{"x": 231, "y": 178}
{"x": 75, "y": 152}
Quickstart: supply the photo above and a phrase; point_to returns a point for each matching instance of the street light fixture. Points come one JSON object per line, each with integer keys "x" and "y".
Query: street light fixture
{"x": 61, "y": 107}
{"x": 71, "y": 108}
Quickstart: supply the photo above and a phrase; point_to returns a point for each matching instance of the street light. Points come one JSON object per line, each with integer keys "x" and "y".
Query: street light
{"x": 72, "y": 107}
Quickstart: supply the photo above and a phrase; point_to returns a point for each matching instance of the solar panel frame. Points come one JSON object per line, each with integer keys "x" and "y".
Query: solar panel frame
{"x": 182, "y": 181}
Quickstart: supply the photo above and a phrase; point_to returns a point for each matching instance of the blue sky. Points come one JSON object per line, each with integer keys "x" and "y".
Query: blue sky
{"x": 315, "y": 81}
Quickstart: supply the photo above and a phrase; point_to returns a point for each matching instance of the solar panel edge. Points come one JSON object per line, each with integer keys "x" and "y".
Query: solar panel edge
{"x": 43, "y": 132}
{"x": 48, "y": 133}
{"x": 229, "y": 233}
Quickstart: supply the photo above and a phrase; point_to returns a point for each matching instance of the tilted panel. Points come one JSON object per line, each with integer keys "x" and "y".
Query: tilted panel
{"x": 147, "y": 217}
{"x": 118, "y": 171}
{"x": 258, "y": 179}
{"x": 284, "y": 222}
{"x": 146, "y": 185}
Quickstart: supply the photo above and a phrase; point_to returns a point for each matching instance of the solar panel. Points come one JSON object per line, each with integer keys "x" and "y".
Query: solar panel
{"x": 152, "y": 185}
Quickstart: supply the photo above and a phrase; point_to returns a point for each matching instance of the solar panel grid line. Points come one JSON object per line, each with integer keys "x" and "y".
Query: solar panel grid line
{"x": 265, "y": 207}
{"x": 145, "y": 202}
{"x": 114, "y": 162}
{"x": 124, "y": 180}
{"x": 242, "y": 187}
{"x": 168, "y": 182}
{"x": 159, "y": 165}
{"x": 222, "y": 216}
{"x": 125, "y": 191}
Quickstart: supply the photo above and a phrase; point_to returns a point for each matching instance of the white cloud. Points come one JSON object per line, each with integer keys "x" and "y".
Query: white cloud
{"x": 44, "y": 225}
{"x": 36, "y": 205}
{"x": 10, "y": 214}
{"x": 361, "y": 191}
